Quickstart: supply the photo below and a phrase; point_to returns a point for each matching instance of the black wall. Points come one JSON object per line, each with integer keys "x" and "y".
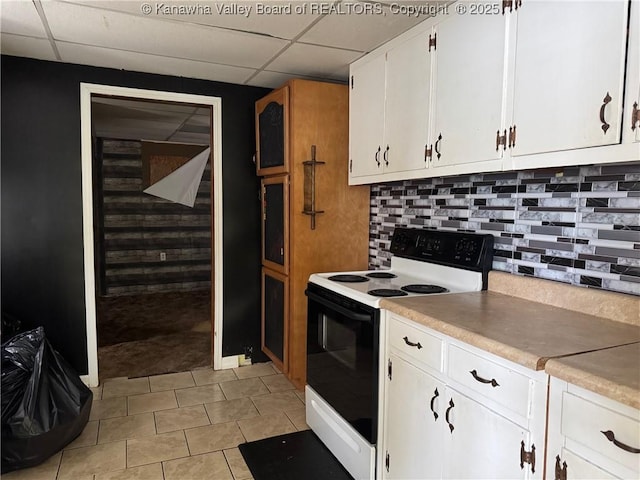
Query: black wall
{"x": 41, "y": 197}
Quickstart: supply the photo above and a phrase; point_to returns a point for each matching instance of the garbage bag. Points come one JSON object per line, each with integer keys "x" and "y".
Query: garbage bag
{"x": 45, "y": 405}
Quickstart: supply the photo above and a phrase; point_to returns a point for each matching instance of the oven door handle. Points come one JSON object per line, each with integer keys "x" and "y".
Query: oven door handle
{"x": 360, "y": 317}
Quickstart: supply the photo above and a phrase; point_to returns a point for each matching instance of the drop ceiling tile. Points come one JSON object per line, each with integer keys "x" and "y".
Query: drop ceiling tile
{"x": 21, "y": 17}
{"x": 90, "y": 26}
{"x": 363, "y": 32}
{"x": 237, "y": 15}
{"x": 312, "y": 60}
{"x": 20, "y": 46}
{"x": 140, "y": 62}
{"x": 272, "y": 79}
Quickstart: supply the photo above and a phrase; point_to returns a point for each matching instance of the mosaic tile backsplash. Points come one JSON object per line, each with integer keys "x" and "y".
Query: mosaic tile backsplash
{"x": 578, "y": 225}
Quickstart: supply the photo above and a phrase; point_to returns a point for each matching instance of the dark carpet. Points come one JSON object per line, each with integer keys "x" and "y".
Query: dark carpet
{"x": 294, "y": 456}
{"x": 153, "y": 334}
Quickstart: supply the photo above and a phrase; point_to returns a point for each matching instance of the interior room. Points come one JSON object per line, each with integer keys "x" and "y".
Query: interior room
{"x": 153, "y": 288}
{"x": 337, "y": 240}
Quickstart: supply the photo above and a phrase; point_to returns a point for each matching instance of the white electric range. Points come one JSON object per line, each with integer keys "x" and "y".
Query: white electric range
{"x": 343, "y": 332}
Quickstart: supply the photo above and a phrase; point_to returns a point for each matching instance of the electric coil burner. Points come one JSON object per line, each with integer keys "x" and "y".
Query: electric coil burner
{"x": 387, "y": 292}
{"x": 344, "y": 332}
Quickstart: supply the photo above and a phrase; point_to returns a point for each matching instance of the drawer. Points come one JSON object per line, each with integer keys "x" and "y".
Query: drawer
{"x": 416, "y": 343}
{"x": 584, "y": 421}
{"x": 492, "y": 380}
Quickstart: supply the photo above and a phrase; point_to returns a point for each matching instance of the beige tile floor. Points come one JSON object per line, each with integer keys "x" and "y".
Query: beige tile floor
{"x": 180, "y": 426}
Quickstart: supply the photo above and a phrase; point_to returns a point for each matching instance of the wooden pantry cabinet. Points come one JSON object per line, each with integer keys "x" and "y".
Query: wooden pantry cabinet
{"x": 312, "y": 220}
{"x": 522, "y": 85}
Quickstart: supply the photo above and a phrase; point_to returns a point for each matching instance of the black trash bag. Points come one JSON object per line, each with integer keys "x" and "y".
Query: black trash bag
{"x": 45, "y": 405}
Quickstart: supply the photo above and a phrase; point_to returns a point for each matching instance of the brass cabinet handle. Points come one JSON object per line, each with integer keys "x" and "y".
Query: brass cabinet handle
{"x": 561, "y": 471}
{"x": 433, "y": 400}
{"x": 411, "y": 344}
{"x": 437, "y": 145}
{"x": 446, "y": 415}
{"x": 612, "y": 438}
{"x": 493, "y": 382}
{"x": 528, "y": 457}
{"x": 377, "y": 156}
{"x": 386, "y": 156}
{"x": 605, "y": 126}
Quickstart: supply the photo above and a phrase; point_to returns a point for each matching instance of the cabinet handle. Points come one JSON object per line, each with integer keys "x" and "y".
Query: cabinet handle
{"x": 605, "y": 101}
{"x": 433, "y": 400}
{"x": 635, "y": 116}
{"x": 484, "y": 380}
{"x": 612, "y": 438}
{"x": 411, "y": 344}
{"x": 561, "y": 471}
{"x": 528, "y": 457}
{"x": 386, "y": 156}
{"x": 446, "y": 415}
{"x": 437, "y": 145}
{"x": 377, "y": 157}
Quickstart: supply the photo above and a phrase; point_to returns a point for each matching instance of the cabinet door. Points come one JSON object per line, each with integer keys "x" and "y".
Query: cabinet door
{"x": 414, "y": 419}
{"x": 275, "y": 315}
{"x": 272, "y": 126}
{"x": 366, "y": 118}
{"x": 479, "y": 443}
{"x": 469, "y": 86}
{"x": 569, "y": 72}
{"x": 408, "y": 92}
{"x": 578, "y": 468}
{"x": 275, "y": 223}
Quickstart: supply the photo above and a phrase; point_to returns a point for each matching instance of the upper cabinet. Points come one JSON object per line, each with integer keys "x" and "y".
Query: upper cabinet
{"x": 272, "y": 121}
{"x": 568, "y": 80}
{"x": 469, "y": 105}
{"x": 490, "y": 87}
{"x": 389, "y": 112}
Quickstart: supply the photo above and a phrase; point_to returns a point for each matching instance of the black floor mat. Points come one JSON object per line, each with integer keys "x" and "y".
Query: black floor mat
{"x": 293, "y": 456}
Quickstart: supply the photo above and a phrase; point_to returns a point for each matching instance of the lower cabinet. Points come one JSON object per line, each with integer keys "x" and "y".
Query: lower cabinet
{"x": 275, "y": 304}
{"x": 590, "y": 436}
{"x": 467, "y": 415}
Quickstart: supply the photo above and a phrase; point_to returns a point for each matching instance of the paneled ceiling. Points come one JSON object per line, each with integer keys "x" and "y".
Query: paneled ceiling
{"x": 242, "y": 42}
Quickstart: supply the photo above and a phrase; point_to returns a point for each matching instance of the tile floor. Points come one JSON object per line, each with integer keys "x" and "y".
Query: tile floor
{"x": 180, "y": 426}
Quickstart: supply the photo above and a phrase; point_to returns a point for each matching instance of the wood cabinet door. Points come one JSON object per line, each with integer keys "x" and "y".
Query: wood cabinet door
{"x": 275, "y": 317}
{"x": 413, "y": 423}
{"x": 275, "y": 223}
{"x": 469, "y": 104}
{"x": 366, "y": 118}
{"x": 408, "y": 93}
{"x": 272, "y": 128}
{"x": 569, "y": 75}
{"x": 483, "y": 444}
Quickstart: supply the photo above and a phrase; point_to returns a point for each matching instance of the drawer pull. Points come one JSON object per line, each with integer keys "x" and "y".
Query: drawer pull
{"x": 484, "y": 380}
{"x": 446, "y": 415}
{"x": 561, "y": 471}
{"x": 433, "y": 400}
{"x": 411, "y": 344}
{"x": 528, "y": 457}
{"x": 612, "y": 438}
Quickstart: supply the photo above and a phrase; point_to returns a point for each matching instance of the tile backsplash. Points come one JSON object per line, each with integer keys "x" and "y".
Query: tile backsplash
{"x": 578, "y": 225}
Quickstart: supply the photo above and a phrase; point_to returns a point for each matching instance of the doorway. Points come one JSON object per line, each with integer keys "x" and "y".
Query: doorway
{"x": 119, "y": 291}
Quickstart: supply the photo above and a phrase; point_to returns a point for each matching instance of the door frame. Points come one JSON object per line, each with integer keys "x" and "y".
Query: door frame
{"x": 86, "y": 91}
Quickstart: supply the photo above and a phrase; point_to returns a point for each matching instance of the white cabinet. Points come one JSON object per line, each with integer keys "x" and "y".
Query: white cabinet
{"x": 389, "y": 105}
{"x": 569, "y": 65}
{"x": 469, "y": 104}
{"x": 590, "y": 436}
{"x": 452, "y": 411}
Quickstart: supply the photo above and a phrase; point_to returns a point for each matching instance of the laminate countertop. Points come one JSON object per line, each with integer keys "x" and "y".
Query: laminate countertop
{"x": 530, "y": 333}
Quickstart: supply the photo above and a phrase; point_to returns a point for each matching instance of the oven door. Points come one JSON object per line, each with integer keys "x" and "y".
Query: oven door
{"x": 342, "y": 357}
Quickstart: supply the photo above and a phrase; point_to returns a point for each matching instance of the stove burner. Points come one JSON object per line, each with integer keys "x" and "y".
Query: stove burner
{"x": 349, "y": 278}
{"x": 381, "y": 275}
{"x": 421, "y": 288}
{"x": 386, "y": 292}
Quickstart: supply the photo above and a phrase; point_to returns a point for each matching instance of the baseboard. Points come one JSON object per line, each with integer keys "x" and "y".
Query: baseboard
{"x": 230, "y": 362}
